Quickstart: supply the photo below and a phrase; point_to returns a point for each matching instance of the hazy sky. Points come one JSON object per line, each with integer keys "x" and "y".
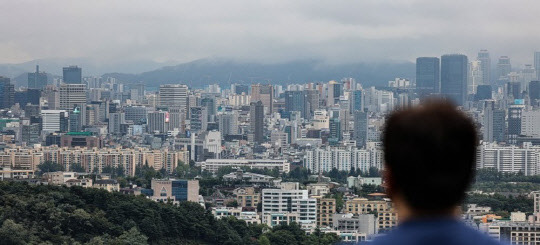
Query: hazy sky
{"x": 266, "y": 31}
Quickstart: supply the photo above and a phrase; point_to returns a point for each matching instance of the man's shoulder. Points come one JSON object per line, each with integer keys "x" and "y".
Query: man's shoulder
{"x": 457, "y": 233}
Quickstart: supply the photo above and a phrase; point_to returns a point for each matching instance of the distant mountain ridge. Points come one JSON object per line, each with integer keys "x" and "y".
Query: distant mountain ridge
{"x": 224, "y": 72}
{"x": 202, "y": 72}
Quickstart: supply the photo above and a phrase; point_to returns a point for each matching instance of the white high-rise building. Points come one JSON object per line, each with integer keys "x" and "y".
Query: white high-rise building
{"x": 51, "y": 120}
{"x": 476, "y": 77}
{"x": 173, "y": 95}
{"x": 325, "y": 159}
{"x": 289, "y": 199}
{"x": 509, "y": 159}
{"x": 530, "y": 123}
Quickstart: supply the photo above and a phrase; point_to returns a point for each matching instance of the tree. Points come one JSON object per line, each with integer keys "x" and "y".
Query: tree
{"x": 13, "y": 233}
{"x": 263, "y": 240}
{"x": 131, "y": 237}
{"x": 49, "y": 166}
{"x": 233, "y": 204}
{"x": 77, "y": 167}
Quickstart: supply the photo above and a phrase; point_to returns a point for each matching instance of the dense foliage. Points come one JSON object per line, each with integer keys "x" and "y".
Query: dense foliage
{"x": 500, "y": 203}
{"x": 492, "y": 175}
{"x": 61, "y": 215}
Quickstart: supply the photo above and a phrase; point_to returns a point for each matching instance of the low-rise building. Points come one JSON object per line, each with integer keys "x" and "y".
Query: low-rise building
{"x": 326, "y": 208}
{"x": 361, "y": 223}
{"x": 386, "y": 214}
{"x": 175, "y": 190}
{"x": 107, "y": 184}
{"x": 247, "y": 197}
{"x": 213, "y": 165}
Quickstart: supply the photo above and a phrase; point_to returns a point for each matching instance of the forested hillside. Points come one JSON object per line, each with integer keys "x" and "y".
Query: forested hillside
{"x": 60, "y": 215}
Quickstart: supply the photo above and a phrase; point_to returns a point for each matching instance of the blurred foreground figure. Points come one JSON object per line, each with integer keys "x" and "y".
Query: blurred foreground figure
{"x": 429, "y": 154}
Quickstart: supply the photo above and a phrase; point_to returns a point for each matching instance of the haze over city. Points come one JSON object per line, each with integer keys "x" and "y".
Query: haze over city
{"x": 172, "y": 32}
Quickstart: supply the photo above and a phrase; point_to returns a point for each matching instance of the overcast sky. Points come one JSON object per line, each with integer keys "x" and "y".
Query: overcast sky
{"x": 266, "y": 31}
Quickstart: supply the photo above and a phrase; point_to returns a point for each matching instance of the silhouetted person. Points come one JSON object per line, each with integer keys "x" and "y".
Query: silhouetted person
{"x": 429, "y": 154}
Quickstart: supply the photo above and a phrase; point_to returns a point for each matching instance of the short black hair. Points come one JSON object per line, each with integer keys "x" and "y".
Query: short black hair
{"x": 430, "y": 152}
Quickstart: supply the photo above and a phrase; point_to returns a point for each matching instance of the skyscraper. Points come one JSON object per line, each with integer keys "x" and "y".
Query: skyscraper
{"x": 503, "y": 67}
{"x": 295, "y": 101}
{"x": 357, "y": 100}
{"x": 494, "y": 123}
{"x": 312, "y": 101}
{"x": 475, "y": 76}
{"x": 72, "y": 74}
{"x": 513, "y": 89}
{"x": 241, "y": 88}
{"x": 335, "y": 131}
{"x": 210, "y": 104}
{"x": 173, "y": 95}
{"x": 115, "y": 122}
{"x": 534, "y": 90}
{"x": 483, "y": 92}
{"x": 75, "y": 119}
{"x": 514, "y": 123}
{"x": 72, "y": 95}
{"x": 158, "y": 121}
{"x": 485, "y": 63}
{"x": 256, "y": 117}
{"x": 537, "y": 64}
{"x": 7, "y": 93}
{"x": 265, "y": 94}
{"x": 228, "y": 123}
{"x": 335, "y": 90}
{"x": 454, "y": 77}
{"x": 427, "y": 76}
{"x": 198, "y": 119}
{"x": 360, "y": 128}
{"x": 37, "y": 79}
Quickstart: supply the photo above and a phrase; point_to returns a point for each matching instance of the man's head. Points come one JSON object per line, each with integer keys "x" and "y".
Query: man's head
{"x": 429, "y": 153}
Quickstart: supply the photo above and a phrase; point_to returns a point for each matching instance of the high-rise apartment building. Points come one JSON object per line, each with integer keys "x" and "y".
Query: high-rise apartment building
{"x": 173, "y": 95}
{"x": 454, "y": 78}
{"x": 72, "y": 75}
{"x": 427, "y": 76}
{"x": 485, "y": 64}
{"x": 37, "y": 80}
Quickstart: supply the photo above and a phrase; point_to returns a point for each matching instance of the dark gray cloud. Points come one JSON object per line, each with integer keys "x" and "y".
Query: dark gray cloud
{"x": 266, "y": 31}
